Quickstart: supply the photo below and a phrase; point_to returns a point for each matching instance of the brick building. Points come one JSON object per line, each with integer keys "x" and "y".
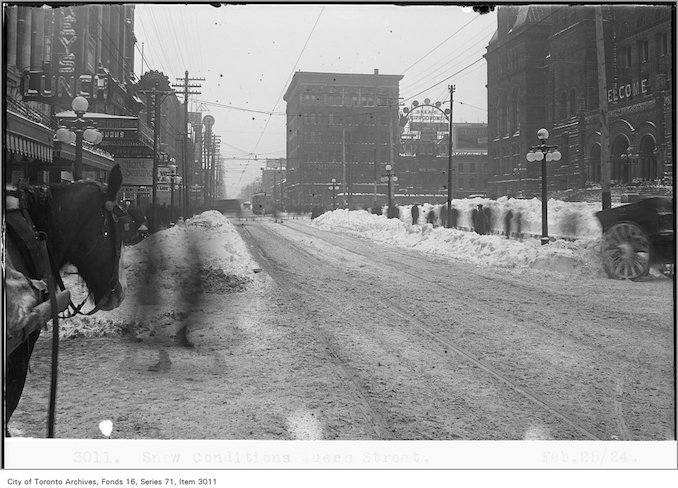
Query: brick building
{"x": 543, "y": 72}
{"x": 341, "y": 126}
{"x": 52, "y": 55}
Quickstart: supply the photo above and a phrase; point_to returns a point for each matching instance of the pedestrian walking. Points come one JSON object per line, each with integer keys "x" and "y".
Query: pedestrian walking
{"x": 431, "y": 217}
{"x": 518, "y": 218}
{"x": 454, "y": 216}
{"x": 443, "y": 215}
{"x": 508, "y": 220}
{"x": 489, "y": 220}
{"x": 479, "y": 220}
{"x": 415, "y": 214}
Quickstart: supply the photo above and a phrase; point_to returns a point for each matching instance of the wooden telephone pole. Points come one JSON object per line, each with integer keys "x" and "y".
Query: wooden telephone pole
{"x": 187, "y": 171}
{"x": 158, "y": 97}
{"x": 605, "y": 170}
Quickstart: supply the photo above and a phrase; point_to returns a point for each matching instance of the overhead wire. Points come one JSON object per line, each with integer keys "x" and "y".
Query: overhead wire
{"x": 443, "y": 42}
{"x": 303, "y": 49}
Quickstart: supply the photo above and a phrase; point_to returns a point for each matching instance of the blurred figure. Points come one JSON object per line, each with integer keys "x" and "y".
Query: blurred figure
{"x": 443, "y": 215}
{"x": 518, "y": 218}
{"x": 489, "y": 220}
{"x": 508, "y": 221}
{"x": 454, "y": 216}
{"x": 415, "y": 214}
{"x": 431, "y": 217}
{"x": 479, "y": 218}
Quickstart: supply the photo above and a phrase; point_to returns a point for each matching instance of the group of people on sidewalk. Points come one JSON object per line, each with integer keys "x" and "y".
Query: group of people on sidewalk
{"x": 481, "y": 219}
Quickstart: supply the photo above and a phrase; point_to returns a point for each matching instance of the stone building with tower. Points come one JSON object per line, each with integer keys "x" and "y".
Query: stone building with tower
{"x": 542, "y": 70}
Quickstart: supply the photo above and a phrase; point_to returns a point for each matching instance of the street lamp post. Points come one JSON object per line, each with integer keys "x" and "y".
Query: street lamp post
{"x": 544, "y": 153}
{"x": 173, "y": 178}
{"x": 390, "y": 177}
{"x": 630, "y": 160}
{"x": 334, "y": 187}
{"x": 75, "y": 131}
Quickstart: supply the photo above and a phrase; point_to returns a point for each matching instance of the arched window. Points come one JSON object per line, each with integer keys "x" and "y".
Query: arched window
{"x": 624, "y": 29}
{"x": 642, "y": 19}
{"x": 647, "y": 158}
{"x": 593, "y": 174}
{"x": 573, "y": 102}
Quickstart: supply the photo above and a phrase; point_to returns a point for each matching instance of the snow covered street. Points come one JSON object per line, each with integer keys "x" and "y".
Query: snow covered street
{"x": 352, "y": 326}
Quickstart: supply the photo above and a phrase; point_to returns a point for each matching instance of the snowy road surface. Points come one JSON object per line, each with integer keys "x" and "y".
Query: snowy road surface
{"x": 339, "y": 337}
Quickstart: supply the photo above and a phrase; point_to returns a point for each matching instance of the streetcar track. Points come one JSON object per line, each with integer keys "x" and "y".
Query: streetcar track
{"x": 538, "y": 321}
{"x": 441, "y": 260}
{"x": 523, "y": 392}
{"x": 358, "y": 392}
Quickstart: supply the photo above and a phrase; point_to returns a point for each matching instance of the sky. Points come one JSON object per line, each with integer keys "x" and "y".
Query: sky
{"x": 247, "y": 55}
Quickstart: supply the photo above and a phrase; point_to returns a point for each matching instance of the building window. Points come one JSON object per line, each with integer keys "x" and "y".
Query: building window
{"x": 663, "y": 44}
{"x": 563, "y": 105}
{"x": 573, "y": 102}
{"x": 626, "y": 57}
{"x": 641, "y": 20}
{"x": 643, "y": 51}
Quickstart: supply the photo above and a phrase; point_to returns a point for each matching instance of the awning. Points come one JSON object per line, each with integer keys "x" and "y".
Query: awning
{"x": 93, "y": 157}
{"x": 28, "y": 138}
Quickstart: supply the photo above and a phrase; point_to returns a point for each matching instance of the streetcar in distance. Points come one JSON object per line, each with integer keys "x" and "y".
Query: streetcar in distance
{"x": 262, "y": 204}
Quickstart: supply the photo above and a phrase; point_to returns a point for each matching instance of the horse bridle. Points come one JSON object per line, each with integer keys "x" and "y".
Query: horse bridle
{"x": 116, "y": 213}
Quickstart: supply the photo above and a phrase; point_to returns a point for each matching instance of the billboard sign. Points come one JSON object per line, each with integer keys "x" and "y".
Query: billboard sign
{"x": 136, "y": 171}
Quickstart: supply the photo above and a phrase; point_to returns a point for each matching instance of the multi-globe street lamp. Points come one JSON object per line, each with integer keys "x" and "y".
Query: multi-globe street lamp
{"x": 544, "y": 153}
{"x": 172, "y": 178}
{"x": 77, "y": 130}
{"x": 334, "y": 187}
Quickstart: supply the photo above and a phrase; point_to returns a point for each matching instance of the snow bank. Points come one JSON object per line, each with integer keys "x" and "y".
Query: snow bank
{"x": 171, "y": 269}
{"x": 580, "y": 256}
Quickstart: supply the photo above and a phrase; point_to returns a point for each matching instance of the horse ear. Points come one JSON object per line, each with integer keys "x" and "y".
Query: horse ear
{"x": 114, "y": 182}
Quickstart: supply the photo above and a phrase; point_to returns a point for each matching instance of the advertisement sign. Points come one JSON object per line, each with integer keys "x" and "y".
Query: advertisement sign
{"x": 471, "y": 137}
{"x": 426, "y": 117}
{"x": 136, "y": 171}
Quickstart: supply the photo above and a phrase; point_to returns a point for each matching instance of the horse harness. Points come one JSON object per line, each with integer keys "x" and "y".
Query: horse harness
{"x": 32, "y": 244}
{"x": 118, "y": 215}
{"x": 40, "y": 265}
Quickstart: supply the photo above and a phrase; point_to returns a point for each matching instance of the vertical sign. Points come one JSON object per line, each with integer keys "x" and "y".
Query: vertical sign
{"x": 67, "y": 38}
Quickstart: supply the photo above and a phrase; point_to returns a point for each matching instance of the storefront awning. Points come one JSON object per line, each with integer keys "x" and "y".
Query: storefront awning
{"x": 28, "y": 138}
{"x": 96, "y": 158}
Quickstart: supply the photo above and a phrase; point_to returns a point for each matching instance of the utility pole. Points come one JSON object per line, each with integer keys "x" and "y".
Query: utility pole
{"x": 213, "y": 168}
{"x": 377, "y": 134}
{"x": 602, "y": 112}
{"x": 343, "y": 157}
{"x": 157, "y": 100}
{"x": 449, "y": 160}
{"x": 187, "y": 172}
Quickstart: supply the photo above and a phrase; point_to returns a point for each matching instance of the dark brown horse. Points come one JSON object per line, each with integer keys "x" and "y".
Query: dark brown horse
{"x": 83, "y": 226}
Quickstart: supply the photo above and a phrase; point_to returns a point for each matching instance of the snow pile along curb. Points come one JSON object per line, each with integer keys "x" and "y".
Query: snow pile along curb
{"x": 579, "y": 257}
{"x": 172, "y": 270}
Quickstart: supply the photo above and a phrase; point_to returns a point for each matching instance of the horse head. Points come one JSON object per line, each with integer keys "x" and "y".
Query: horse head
{"x": 86, "y": 229}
